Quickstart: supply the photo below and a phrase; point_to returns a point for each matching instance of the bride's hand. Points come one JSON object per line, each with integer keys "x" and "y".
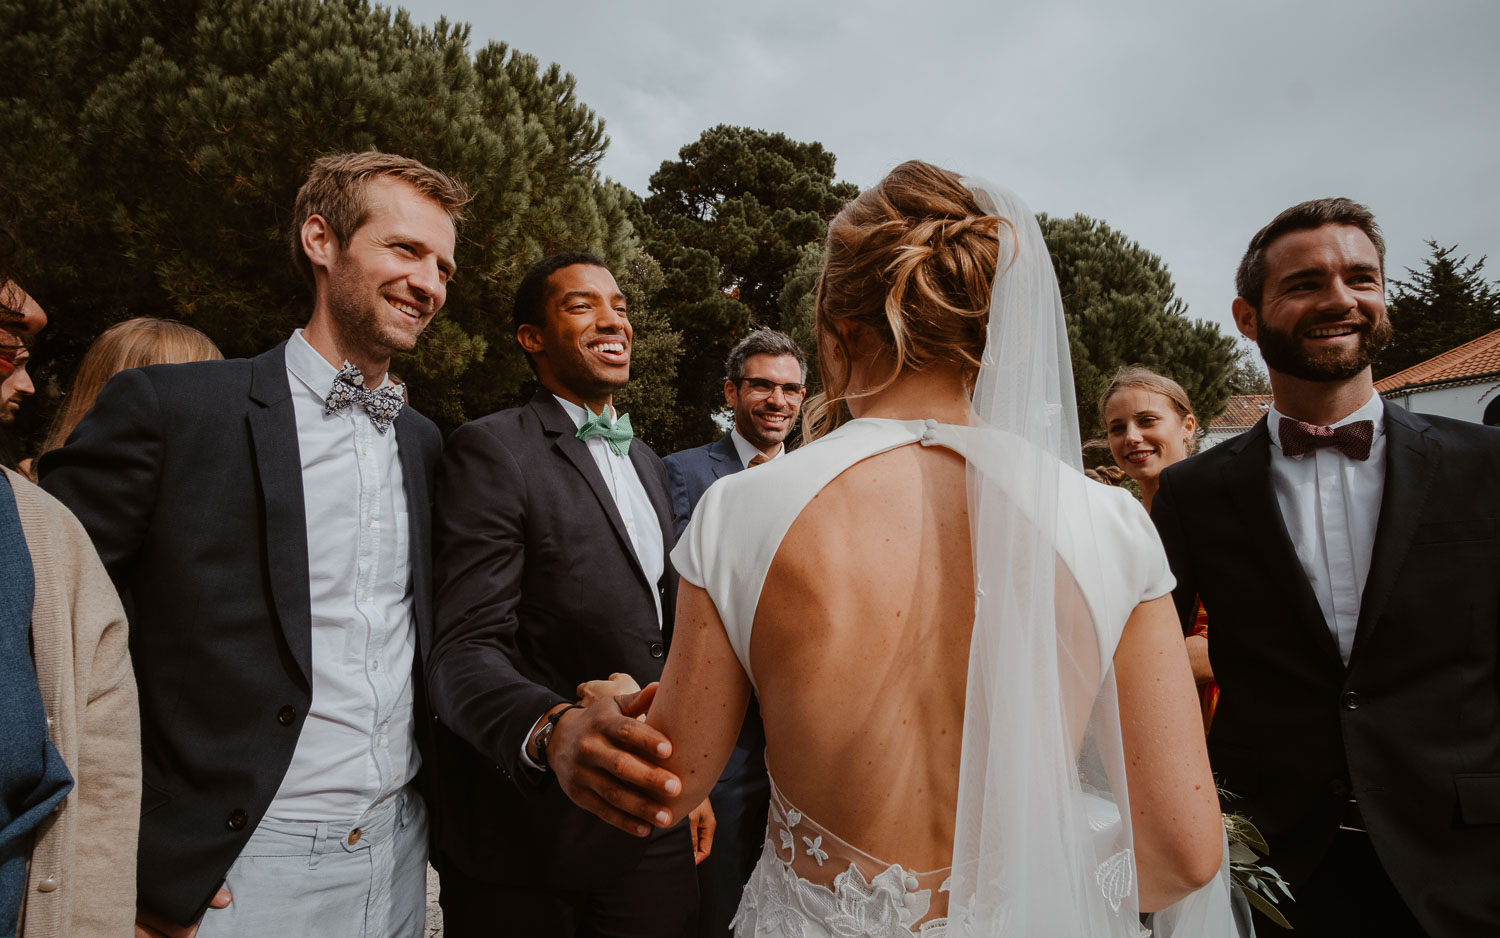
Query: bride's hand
{"x": 591, "y": 692}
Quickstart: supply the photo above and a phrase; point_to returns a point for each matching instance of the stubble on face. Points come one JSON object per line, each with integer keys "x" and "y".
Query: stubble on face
{"x": 1283, "y": 350}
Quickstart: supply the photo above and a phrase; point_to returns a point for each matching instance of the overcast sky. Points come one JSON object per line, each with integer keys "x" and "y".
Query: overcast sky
{"x": 1186, "y": 125}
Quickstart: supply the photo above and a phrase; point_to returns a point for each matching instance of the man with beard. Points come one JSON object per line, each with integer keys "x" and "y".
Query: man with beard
{"x": 1345, "y": 551}
{"x": 267, "y": 522}
{"x": 764, "y": 384}
{"x": 552, "y": 526}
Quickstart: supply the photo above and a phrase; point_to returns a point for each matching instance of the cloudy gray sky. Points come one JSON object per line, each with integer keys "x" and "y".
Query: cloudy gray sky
{"x": 1187, "y": 125}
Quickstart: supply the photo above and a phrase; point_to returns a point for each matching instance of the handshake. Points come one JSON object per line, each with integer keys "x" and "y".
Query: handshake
{"x": 609, "y": 761}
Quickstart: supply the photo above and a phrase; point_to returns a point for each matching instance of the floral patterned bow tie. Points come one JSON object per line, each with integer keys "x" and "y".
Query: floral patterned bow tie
{"x": 382, "y": 404}
{"x": 617, "y": 433}
{"x": 1352, "y": 439}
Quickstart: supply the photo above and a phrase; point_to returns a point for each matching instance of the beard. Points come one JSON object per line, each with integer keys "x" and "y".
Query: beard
{"x": 1283, "y": 352}
{"x": 362, "y": 315}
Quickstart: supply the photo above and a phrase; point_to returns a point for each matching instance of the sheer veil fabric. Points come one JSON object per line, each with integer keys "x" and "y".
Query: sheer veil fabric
{"x": 1042, "y": 842}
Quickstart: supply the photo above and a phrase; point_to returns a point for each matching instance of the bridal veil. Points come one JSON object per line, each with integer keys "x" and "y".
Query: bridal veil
{"x": 1043, "y": 842}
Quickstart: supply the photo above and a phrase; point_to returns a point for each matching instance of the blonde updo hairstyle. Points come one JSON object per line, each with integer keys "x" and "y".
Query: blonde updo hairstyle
{"x": 911, "y": 260}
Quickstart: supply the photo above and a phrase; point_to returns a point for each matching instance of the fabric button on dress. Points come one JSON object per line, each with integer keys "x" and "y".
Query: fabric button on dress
{"x": 236, "y": 820}
{"x": 658, "y": 649}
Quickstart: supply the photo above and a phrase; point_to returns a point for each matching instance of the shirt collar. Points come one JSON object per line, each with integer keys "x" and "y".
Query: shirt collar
{"x": 311, "y": 368}
{"x": 747, "y": 450}
{"x": 576, "y": 412}
{"x": 1372, "y": 410}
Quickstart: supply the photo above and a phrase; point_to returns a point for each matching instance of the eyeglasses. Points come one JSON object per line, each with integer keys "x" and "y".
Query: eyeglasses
{"x": 761, "y": 387}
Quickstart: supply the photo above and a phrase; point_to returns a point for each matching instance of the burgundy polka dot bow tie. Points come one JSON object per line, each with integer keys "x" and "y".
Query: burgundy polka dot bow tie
{"x": 1352, "y": 439}
{"x": 382, "y": 404}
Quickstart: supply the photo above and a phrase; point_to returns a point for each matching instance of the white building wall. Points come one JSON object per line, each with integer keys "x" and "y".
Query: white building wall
{"x": 1461, "y": 403}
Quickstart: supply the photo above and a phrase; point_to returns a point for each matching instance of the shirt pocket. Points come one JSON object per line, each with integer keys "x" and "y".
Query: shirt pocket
{"x": 401, "y": 560}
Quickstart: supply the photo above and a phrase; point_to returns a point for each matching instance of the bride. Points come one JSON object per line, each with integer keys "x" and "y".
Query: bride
{"x": 979, "y": 715}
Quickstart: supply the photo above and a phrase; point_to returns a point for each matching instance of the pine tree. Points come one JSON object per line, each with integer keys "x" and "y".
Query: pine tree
{"x": 728, "y": 220}
{"x": 156, "y": 147}
{"x": 1445, "y": 304}
{"x": 1121, "y": 309}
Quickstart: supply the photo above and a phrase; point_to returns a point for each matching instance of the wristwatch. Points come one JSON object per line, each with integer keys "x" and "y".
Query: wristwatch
{"x": 544, "y": 735}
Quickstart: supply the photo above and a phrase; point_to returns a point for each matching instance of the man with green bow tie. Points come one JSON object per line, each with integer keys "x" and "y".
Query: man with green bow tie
{"x": 552, "y": 527}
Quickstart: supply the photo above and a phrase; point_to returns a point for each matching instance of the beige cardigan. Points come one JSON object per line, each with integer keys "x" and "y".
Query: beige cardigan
{"x": 79, "y": 644}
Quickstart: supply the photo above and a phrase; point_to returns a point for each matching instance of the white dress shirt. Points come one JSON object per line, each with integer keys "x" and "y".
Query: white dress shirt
{"x": 357, "y": 746}
{"x": 1331, "y": 506}
{"x": 747, "y": 450}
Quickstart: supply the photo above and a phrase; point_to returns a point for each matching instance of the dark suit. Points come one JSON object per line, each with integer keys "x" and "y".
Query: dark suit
{"x": 538, "y": 590}
{"x": 1411, "y": 728}
{"x": 742, "y": 797}
{"x": 189, "y": 481}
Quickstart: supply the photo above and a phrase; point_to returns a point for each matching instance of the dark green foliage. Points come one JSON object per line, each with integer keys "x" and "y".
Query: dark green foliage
{"x": 650, "y": 397}
{"x": 1442, "y": 306}
{"x": 1249, "y": 373}
{"x": 1121, "y": 309}
{"x": 156, "y": 148}
{"x": 728, "y": 220}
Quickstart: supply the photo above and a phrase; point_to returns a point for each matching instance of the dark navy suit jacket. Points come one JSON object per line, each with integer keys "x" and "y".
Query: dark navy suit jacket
{"x": 692, "y": 471}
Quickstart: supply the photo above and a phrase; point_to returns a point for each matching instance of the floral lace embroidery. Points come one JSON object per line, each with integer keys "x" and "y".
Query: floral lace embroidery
{"x": 778, "y": 903}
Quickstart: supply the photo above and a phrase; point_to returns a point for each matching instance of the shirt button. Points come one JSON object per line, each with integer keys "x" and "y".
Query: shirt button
{"x": 47, "y": 885}
{"x": 657, "y": 649}
{"x": 355, "y": 835}
{"x": 286, "y": 715}
{"x": 1351, "y": 701}
{"x": 374, "y": 665}
{"x": 236, "y": 820}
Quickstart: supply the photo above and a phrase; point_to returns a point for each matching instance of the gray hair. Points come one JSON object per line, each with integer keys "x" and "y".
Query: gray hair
{"x": 762, "y": 342}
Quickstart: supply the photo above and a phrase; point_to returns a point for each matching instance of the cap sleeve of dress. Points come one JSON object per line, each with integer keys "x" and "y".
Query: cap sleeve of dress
{"x": 705, "y": 557}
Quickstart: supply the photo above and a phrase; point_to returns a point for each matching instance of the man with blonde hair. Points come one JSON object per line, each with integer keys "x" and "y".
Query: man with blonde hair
{"x": 267, "y": 521}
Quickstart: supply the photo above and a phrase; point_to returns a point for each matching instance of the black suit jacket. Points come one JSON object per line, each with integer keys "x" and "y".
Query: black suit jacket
{"x": 189, "y": 481}
{"x": 1412, "y": 726}
{"x": 538, "y": 590}
{"x": 692, "y": 471}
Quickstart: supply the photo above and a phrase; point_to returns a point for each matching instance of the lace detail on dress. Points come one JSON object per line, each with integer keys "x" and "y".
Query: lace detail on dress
{"x": 780, "y": 901}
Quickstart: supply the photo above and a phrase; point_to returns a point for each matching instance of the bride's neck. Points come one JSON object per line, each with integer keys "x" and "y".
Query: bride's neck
{"x": 936, "y": 393}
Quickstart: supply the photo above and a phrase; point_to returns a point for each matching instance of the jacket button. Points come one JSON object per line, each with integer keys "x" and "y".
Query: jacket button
{"x": 236, "y": 819}
{"x": 286, "y": 715}
{"x": 1339, "y": 788}
{"x": 1351, "y": 701}
{"x": 47, "y": 885}
{"x": 657, "y": 649}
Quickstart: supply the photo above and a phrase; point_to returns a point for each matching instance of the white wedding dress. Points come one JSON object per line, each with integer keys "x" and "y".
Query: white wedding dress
{"x": 809, "y": 883}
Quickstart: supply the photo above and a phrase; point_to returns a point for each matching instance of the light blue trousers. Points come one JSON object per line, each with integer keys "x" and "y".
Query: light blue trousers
{"x": 366, "y": 879}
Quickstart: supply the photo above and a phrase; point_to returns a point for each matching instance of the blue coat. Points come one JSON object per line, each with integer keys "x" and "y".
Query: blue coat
{"x": 692, "y": 471}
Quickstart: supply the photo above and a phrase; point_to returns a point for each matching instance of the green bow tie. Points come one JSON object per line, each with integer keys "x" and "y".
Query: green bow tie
{"x": 616, "y": 433}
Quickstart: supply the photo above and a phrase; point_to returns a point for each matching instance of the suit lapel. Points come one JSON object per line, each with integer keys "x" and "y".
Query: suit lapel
{"x": 418, "y": 520}
{"x": 726, "y": 459}
{"x": 273, "y": 434}
{"x": 1411, "y": 460}
{"x": 1248, "y": 480}
{"x": 559, "y": 426}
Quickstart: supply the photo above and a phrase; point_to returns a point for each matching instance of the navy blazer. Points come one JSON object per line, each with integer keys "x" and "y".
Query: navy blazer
{"x": 538, "y": 590}
{"x": 692, "y": 471}
{"x": 189, "y": 481}
{"x": 1411, "y": 727}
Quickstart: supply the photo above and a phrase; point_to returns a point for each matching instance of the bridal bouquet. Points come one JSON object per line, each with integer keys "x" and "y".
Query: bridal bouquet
{"x": 1256, "y": 882}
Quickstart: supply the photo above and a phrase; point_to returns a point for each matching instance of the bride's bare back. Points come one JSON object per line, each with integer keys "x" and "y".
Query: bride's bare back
{"x": 860, "y": 652}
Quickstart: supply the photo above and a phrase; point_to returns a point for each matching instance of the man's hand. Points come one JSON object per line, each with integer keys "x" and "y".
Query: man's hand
{"x": 602, "y": 756}
{"x": 701, "y": 825}
{"x": 150, "y": 925}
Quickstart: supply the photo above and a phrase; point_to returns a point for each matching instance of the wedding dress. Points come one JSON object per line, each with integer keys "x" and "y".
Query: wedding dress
{"x": 1042, "y": 838}
{"x": 809, "y": 882}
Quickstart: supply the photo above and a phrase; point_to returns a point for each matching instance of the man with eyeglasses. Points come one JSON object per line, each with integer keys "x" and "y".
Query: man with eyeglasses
{"x": 764, "y": 383}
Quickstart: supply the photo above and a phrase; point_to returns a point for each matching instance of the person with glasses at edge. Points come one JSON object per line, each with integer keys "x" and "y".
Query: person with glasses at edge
{"x": 764, "y": 384}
